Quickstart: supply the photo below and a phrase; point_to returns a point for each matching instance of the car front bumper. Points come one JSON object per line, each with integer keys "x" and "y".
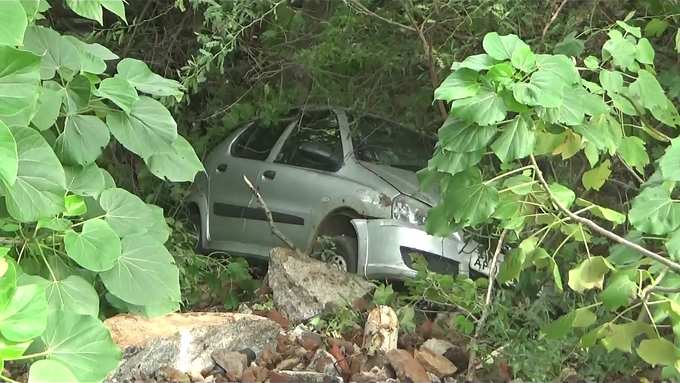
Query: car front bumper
{"x": 385, "y": 247}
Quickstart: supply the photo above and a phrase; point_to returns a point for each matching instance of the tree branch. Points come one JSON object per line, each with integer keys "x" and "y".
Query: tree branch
{"x": 599, "y": 229}
{"x": 552, "y": 19}
{"x": 275, "y": 230}
{"x": 472, "y": 365}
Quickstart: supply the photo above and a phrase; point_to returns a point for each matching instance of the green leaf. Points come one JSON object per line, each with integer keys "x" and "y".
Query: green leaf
{"x": 563, "y": 194}
{"x": 560, "y": 327}
{"x": 654, "y": 212}
{"x": 9, "y": 160}
{"x": 635, "y": 31}
{"x": 471, "y": 201}
{"x": 19, "y": 81}
{"x": 543, "y": 89}
{"x": 560, "y": 66}
{"x": 159, "y": 230}
{"x": 77, "y": 95}
{"x": 39, "y": 188}
{"x": 439, "y": 221}
{"x": 621, "y": 336}
{"x": 13, "y": 22}
{"x": 92, "y": 56}
{"x": 603, "y": 132}
{"x": 619, "y": 292}
{"x": 8, "y": 281}
{"x": 96, "y": 247}
{"x": 485, "y": 108}
{"x": 460, "y": 136}
{"x": 452, "y": 162}
{"x": 74, "y": 206}
{"x": 83, "y": 139}
{"x": 576, "y": 102}
{"x": 144, "y": 274}
{"x": 120, "y": 92}
{"x": 632, "y": 150}
{"x": 89, "y": 9}
{"x": 50, "y": 371}
{"x": 673, "y": 245}
{"x": 11, "y": 350}
{"x": 459, "y": 84}
{"x": 82, "y": 343}
{"x": 58, "y": 53}
{"x": 177, "y": 163}
{"x": 475, "y": 62}
{"x": 73, "y": 294}
{"x": 644, "y": 53}
{"x": 516, "y": 140}
{"x": 570, "y": 146}
{"x": 25, "y": 316}
{"x": 142, "y": 78}
{"x": 621, "y": 50}
{"x": 500, "y": 73}
{"x": 589, "y": 274}
{"x": 116, "y": 7}
{"x": 148, "y": 129}
{"x": 656, "y": 27}
{"x": 383, "y": 295}
{"x": 596, "y": 177}
{"x": 649, "y": 91}
{"x": 611, "y": 81}
{"x": 591, "y": 62}
{"x": 603, "y": 212}
{"x": 125, "y": 212}
{"x": 512, "y": 265}
{"x": 501, "y": 47}
{"x": 624, "y": 256}
{"x": 569, "y": 46}
{"x": 520, "y": 184}
{"x": 583, "y": 317}
{"x": 658, "y": 351}
{"x": 49, "y": 105}
{"x": 84, "y": 181}
{"x": 54, "y": 224}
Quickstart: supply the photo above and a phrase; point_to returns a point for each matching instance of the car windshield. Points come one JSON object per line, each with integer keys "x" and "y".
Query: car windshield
{"x": 386, "y": 143}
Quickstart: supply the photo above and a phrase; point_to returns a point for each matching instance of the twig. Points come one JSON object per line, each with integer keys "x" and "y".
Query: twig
{"x": 552, "y": 19}
{"x": 362, "y": 9}
{"x": 599, "y": 229}
{"x": 275, "y": 230}
{"x": 485, "y": 311}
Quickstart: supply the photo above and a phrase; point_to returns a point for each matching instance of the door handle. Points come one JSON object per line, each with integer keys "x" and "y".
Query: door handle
{"x": 221, "y": 168}
{"x": 269, "y": 174}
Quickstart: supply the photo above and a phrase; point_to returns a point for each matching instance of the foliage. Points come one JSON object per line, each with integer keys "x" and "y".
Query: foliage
{"x": 70, "y": 235}
{"x": 612, "y": 115}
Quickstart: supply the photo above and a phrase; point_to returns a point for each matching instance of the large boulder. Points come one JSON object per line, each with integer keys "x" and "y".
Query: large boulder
{"x": 184, "y": 342}
{"x": 303, "y": 288}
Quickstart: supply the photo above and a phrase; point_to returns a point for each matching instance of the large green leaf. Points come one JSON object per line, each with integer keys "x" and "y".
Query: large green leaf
{"x": 39, "y": 188}
{"x": 120, "y": 92}
{"x": 459, "y": 84}
{"x": 562, "y": 194}
{"x": 668, "y": 164}
{"x": 96, "y": 247}
{"x": 648, "y": 91}
{"x": 8, "y": 280}
{"x": 619, "y": 291}
{"x": 159, "y": 230}
{"x": 475, "y": 62}
{"x": 9, "y": 160}
{"x": 512, "y": 265}
{"x": 559, "y": 65}
{"x": 82, "y": 343}
{"x": 73, "y": 294}
{"x": 83, "y": 139}
{"x": 543, "y": 89}
{"x": 501, "y": 47}
{"x": 644, "y": 53}
{"x": 25, "y": 317}
{"x": 50, "y": 371}
{"x": 658, "y": 351}
{"x": 116, "y": 7}
{"x": 142, "y": 78}
{"x": 58, "y": 54}
{"x": 589, "y": 274}
{"x": 84, "y": 181}
{"x": 485, "y": 108}
{"x": 19, "y": 81}
{"x": 144, "y": 274}
{"x": 524, "y": 59}
{"x": 177, "y": 163}
{"x": 148, "y": 129}
{"x": 453, "y": 162}
{"x": 621, "y": 336}
{"x": 621, "y": 50}
{"x": 49, "y": 105}
{"x": 470, "y": 201}
{"x": 611, "y": 81}
{"x": 77, "y": 95}
{"x": 13, "y": 22}
{"x": 459, "y": 136}
{"x": 92, "y": 56}
{"x": 596, "y": 177}
{"x": 125, "y": 212}
{"x": 654, "y": 212}
{"x": 632, "y": 150}
{"x": 516, "y": 140}
{"x": 602, "y": 131}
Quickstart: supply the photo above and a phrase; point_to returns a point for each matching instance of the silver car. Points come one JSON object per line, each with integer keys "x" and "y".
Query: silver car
{"x": 334, "y": 174}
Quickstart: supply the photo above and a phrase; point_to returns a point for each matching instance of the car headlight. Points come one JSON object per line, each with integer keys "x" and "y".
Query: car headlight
{"x": 409, "y": 210}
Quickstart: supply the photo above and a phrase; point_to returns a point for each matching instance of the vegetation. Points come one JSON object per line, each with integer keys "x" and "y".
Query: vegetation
{"x": 559, "y": 122}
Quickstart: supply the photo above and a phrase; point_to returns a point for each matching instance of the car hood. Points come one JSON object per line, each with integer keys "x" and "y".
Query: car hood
{"x": 405, "y": 181}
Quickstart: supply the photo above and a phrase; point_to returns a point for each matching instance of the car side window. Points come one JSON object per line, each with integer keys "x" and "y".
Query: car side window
{"x": 257, "y": 141}
{"x": 314, "y": 143}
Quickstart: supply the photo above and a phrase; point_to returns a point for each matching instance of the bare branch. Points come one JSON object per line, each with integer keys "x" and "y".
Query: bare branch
{"x": 552, "y": 19}
{"x": 275, "y": 230}
{"x": 599, "y": 229}
{"x": 472, "y": 365}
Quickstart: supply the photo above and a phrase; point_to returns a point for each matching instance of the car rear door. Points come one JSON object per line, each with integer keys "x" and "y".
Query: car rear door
{"x": 231, "y": 201}
{"x": 297, "y": 188}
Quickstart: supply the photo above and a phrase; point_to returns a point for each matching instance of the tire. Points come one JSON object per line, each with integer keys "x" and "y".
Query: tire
{"x": 345, "y": 253}
{"x": 195, "y": 220}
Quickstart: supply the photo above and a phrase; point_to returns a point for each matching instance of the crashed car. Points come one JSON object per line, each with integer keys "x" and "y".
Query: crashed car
{"x": 334, "y": 174}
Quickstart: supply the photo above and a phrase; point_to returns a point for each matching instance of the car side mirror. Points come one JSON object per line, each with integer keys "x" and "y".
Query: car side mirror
{"x": 320, "y": 152}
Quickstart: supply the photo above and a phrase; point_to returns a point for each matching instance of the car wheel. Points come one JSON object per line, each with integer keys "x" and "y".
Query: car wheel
{"x": 341, "y": 252}
{"x": 195, "y": 220}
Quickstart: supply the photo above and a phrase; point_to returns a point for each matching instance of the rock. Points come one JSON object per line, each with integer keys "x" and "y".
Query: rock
{"x": 324, "y": 363}
{"x": 381, "y": 330}
{"x": 184, "y": 341}
{"x": 437, "y": 346}
{"x": 233, "y": 362}
{"x": 269, "y": 357}
{"x": 255, "y": 374}
{"x": 310, "y": 341}
{"x": 375, "y": 375}
{"x": 305, "y": 288}
{"x": 459, "y": 356}
{"x": 406, "y": 367}
{"x": 302, "y": 377}
{"x": 169, "y": 374}
{"x": 435, "y": 363}
{"x": 433, "y": 378}
{"x": 288, "y": 364}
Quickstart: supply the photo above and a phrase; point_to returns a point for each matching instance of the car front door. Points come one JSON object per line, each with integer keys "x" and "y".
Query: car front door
{"x": 298, "y": 183}
{"x": 231, "y": 201}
